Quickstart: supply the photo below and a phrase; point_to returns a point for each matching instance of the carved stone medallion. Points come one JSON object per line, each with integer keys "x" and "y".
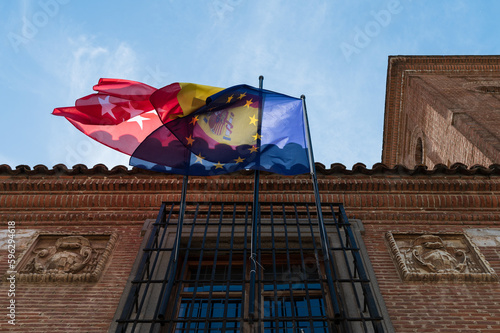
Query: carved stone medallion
{"x": 65, "y": 257}
{"x": 439, "y": 257}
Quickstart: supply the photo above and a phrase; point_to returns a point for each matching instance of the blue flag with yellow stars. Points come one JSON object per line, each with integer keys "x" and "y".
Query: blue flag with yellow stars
{"x": 239, "y": 128}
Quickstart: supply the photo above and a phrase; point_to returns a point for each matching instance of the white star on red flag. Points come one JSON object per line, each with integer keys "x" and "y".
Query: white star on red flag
{"x": 106, "y": 107}
{"x": 138, "y": 119}
{"x": 133, "y": 111}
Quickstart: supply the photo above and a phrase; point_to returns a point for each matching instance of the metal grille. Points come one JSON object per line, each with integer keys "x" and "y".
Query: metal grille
{"x": 300, "y": 286}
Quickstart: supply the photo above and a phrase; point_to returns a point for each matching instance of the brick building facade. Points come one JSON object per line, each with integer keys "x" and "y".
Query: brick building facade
{"x": 442, "y": 110}
{"x": 431, "y": 236}
{"x": 399, "y": 200}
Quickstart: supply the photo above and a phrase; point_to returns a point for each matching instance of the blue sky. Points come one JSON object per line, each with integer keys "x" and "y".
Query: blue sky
{"x": 334, "y": 52}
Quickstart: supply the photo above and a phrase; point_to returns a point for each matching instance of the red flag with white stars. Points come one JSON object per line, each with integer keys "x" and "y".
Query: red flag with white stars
{"x": 116, "y": 101}
{"x": 119, "y": 115}
{"x": 124, "y": 137}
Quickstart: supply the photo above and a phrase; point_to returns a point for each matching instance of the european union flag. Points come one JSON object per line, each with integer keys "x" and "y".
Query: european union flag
{"x": 239, "y": 128}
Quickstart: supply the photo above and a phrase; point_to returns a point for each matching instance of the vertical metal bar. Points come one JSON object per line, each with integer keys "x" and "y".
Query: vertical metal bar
{"x": 345, "y": 249}
{"x": 312, "y": 167}
{"x": 245, "y": 252}
{"x": 260, "y": 276}
{"x": 343, "y": 299}
{"x": 214, "y": 267}
{"x": 170, "y": 285}
{"x": 321, "y": 224}
{"x": 134, "y": 289}
{"x": 303, "y": 274}
{"x": 164, "y": 223}
{"x": 368, "y": 294}
{"x": 318, "y": 265}
{"x": 289, "y": 273}
{"x": 255, "y": 212}
{"x": 200, "y": 261}
{"x": 274, "y": 304}
{"x": 180, "y": 222}
{"x": 229, "y": 266}
{"x": 184, "y": 268}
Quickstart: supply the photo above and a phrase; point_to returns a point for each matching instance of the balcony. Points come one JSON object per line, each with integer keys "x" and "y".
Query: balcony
{"x": 199, "y": 279}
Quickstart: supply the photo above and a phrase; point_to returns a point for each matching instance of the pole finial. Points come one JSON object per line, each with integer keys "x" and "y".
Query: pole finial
{"x": 302, "y": 96}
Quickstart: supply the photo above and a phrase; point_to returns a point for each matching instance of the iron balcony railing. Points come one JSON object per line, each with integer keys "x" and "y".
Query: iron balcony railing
{"x": 200, "y": 281}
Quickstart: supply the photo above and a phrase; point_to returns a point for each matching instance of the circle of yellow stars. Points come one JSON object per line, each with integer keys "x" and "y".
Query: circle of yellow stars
{"x": 253, "y": 120}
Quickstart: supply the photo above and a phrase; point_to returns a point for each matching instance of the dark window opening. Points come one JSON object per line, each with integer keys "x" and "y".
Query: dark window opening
{"x": 291, "y": 291}
{"x": 419, "y": 152}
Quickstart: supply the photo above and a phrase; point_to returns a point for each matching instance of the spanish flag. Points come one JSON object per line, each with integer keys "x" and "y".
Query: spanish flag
{"x": 180, "y": 99}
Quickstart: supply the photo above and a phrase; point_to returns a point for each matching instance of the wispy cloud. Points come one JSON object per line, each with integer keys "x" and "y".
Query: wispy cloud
{"x": 89, "y": 61}
{"x": 85, "y": 64}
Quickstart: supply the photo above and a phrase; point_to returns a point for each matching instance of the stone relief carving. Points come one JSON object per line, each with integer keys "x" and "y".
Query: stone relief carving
{"x": 430, "y": 253}
{"x": 54, "y": 257}
{"x": 69, "y": 255}
{"x": 443, "y": 257}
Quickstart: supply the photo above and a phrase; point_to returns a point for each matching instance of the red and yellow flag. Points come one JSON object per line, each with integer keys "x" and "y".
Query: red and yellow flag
{"x": 180, "y": 99}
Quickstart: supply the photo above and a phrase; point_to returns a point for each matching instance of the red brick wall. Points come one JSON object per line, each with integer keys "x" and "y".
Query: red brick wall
{"x": 69, "y": 204}
{"x": 398, "y": 200}
{"x": 428, "y": 116}
{"x": 72, "y": 307}
{"x": 429, "y": 205}
{"x": 438, "y": 98}
{"x": 433, "y": 307}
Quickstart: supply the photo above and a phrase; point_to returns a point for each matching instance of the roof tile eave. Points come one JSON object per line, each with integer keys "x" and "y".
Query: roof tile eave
{"x": 335, "y": 169}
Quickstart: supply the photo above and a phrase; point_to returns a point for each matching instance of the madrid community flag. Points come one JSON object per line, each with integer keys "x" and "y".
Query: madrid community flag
{"x": 193, "y": 129}
{"x": 119, "y": 115}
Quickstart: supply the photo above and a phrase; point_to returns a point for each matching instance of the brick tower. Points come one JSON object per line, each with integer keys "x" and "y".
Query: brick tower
{"x": 442, "y": 109}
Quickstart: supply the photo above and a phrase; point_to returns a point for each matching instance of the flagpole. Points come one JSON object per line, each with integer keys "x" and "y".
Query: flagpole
{"x": 321, "y": 224}
{"x": 180, "y": 221}
{"x": 175, "y": 251}
{"x": 255, "y": 215}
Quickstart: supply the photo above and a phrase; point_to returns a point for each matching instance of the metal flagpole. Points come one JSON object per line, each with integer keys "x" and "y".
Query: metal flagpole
{"x": 321, "y": 224}
{"x": 312, "y": 171}
{"x": 180, "y": 221}
{"x": 175, "y": 251}
{"x": 255, "y": 215}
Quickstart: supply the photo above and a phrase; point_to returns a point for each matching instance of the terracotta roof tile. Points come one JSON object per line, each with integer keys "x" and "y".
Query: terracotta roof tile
{"x": 335, "y": 169}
